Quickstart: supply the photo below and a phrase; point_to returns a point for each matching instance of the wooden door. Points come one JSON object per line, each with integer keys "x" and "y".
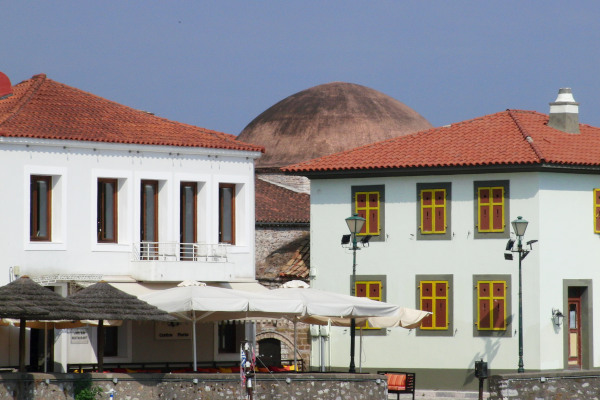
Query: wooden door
{"x": 574, "y": 333}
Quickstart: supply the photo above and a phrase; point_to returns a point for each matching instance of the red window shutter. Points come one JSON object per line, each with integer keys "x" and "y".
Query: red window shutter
{"x": 439, "y": 198}
{"x": 373, "y": 199}
{"x": 439, "y": 219}
{"x": 427, "y": 220}
{"x": 597, "y": 209}
{"x": 484, "y": 313}
{"x": 484, "y": 196}
{"x": 484, "y": 289}
{"x": 427, "y": 290}
{"x": 361, "y": 200}
{"x": 497, "y": 195}
{"x": 374, "y": 290}
{"x": 426, "y": 198}
{"x": 427, "y": 306}
{"x": 440, "y": 313}
{"x": 498, "y": 221}
{"x": 361, "y": 290}
{"x": 373, "y": 221}
{"x": 440, "y": 290}
{"x": 499, "y": 313}
{"x": 363, "y": 214}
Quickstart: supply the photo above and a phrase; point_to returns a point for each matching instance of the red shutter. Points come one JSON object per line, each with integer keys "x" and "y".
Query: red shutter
{"x": 427, "y": 306}
{"x": 440, "y": 313}
{"x": 374, "y": 290}
{"x": 484, "y": 305}
{"x": 373, "y": 222}
{"x": 484, "y": 209}
{"x": 427, "y": 220}
{"x": 426, "y": 198}
{"x": 439, "y": 220}
{"x": 439, "y": 198}
{"x": 440, "y": 289}
{"x": 499, "y": 295}
{"x": 597, "y": 209}
{"x": 498, "y": 221}
{"x": 373, "y": 199}
{"x": 361, "y": 200}
{"x": 361, "y": 290}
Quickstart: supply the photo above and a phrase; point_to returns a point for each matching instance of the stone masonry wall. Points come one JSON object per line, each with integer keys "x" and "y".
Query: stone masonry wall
{"x": 563, "y": 385}
{"x": 36, "y": 386}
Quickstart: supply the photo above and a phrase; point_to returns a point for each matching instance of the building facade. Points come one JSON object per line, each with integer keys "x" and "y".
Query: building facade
{"x": 93, "y": 190}
{"x": 438, "y": 206}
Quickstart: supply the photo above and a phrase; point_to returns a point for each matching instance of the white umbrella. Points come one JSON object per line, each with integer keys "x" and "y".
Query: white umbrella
{"x": 320, "y": 306}
{"x": 324, "y": 308}
{"x": 195, "y": 301}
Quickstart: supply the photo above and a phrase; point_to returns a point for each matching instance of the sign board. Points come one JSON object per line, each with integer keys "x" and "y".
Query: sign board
{"x": 172, "y": 330}
{"x": 79, "y": 336}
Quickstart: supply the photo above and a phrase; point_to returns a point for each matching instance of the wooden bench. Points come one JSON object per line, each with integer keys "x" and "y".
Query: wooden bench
{"x": 400, "y": 382}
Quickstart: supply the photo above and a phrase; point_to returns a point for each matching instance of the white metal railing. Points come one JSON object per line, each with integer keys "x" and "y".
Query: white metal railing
{"x": 174, "y": 251}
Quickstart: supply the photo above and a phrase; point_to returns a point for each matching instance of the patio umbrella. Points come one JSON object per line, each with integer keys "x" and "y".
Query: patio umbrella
{"x": 39, "y": 303}
{"x": 195, "y": 301}
{"x": 321, "y": 307}
{"x": 105, "y": 302}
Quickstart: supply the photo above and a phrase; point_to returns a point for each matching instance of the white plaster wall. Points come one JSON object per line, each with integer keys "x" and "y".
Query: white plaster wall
{"x": 76, "y": 167}
{"x": 401, "y": 257}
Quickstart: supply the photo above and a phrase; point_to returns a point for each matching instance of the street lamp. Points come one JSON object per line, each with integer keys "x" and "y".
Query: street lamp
{"x": 519, "y": 227}
{"x": 355, "y": 225}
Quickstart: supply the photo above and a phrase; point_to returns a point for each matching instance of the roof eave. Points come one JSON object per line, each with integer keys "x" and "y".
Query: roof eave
{"x": 448, "y": 170}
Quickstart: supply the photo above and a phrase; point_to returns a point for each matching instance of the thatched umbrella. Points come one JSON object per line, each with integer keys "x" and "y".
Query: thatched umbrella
{"x": 39, "y": 303}
{"x": 107, "y": 302}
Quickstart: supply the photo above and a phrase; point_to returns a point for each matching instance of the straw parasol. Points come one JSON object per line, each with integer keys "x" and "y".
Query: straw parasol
{"x": 105, "y": 302}
{"x": 38, "y": 303}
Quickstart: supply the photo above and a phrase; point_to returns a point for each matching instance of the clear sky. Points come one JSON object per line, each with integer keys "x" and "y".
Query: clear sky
{"x": 218, "y": 64}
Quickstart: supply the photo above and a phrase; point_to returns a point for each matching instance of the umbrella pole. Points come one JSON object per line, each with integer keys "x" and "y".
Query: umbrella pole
{"x": 100, "y": 345}
{"x": 22, "y": 345}
{"x": 194, "y": 338}
{"x": 295, "y": 345}
{"x": 360, "y": 352}
{"x": 45, "y": 346}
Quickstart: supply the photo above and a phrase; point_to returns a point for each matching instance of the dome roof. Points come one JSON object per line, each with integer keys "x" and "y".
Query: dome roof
{"x": 327, "y": 119}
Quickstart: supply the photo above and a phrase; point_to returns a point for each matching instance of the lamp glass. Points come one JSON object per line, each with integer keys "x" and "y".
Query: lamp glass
{"x": 355, "y": 223}
{"x": 520, "y": 226}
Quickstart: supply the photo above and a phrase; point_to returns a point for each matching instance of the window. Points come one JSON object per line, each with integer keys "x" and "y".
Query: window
{"x": 433, "y": 211}
{"x": 187, "y": 220}
{"x": 374, "y": 288}
{"x": 596, "y": 210}
{"x": 107, "y": 224}
{"x": 149, "y": 219}
{"x": 40, "y": 208}
{"x": 111, "y": 341}
{"x": 368, "y": 202}
{"x": 230, "y": 337}
{"x": 491, "y": 212}
{"x": 492, "y": 305}
{"x": 434, "y": 294}
{"x": 227, "y": 213}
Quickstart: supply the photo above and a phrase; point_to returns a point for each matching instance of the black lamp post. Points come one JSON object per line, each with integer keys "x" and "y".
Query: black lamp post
{"x": 355, "y": 224}
{"x": 519, "y": 226}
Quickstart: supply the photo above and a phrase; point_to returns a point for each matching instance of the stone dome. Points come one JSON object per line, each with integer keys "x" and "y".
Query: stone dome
{"x": 327, "y": 119}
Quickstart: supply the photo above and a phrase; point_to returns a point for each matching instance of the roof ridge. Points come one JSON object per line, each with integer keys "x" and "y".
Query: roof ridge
{"x": 526, "y": 135}
{"x": 38, "y": 81}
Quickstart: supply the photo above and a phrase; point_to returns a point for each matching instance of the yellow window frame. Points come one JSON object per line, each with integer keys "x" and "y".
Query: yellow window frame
{"x": 433, "y": 298}
{"x": 491, "y": 298}
{"x": 490, "y": 206}
{"x": 378, "y": 298}
{"x": 367, "y": 208}
{"x": 596, "y": 210}
{"x": 434, "y": 208}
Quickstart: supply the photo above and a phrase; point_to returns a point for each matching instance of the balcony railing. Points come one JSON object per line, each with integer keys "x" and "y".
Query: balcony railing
{"x": 173, "y": 251}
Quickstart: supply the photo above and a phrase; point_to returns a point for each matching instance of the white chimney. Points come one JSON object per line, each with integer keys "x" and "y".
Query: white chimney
{"x": 564, "y": 112}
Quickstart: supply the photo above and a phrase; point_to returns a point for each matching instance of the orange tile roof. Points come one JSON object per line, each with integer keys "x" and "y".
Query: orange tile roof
{"x": 276, "y": 204}
{"x": 511, "y": 137}
{"x": 45, "y": 109}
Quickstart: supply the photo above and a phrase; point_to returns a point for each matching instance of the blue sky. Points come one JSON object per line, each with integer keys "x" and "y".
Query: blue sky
{"x": 218, "y": 64}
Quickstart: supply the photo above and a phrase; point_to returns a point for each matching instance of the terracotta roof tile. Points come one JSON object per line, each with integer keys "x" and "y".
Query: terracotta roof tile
{"x": 511, "y": 137}
{"x": 276, "y": 204}
{"x": 45, "y": 109}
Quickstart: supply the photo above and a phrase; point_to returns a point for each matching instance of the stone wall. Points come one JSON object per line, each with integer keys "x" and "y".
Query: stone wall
{"x": 195, "y": 386}
{"x": 563, "y": 385}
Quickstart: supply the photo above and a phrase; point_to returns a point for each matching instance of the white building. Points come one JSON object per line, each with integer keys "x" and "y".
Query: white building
{"x": 439, "y": 206}
{"x": 93, "y": 190}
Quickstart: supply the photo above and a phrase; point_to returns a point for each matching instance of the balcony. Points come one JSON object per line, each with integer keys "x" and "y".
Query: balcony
{"x": 172, "y": 261}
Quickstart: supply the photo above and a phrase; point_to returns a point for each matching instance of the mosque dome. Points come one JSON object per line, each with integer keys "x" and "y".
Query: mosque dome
{"x": 327, "y": 119}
